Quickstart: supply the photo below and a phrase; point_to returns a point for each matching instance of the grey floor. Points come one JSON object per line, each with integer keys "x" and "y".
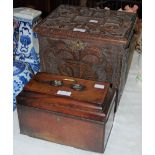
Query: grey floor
{"x": 126, "y": 135}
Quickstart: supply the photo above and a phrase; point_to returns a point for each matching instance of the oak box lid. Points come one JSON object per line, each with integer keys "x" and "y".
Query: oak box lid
{"x": 88, "y": 24}
{"x": 90, "y": 102}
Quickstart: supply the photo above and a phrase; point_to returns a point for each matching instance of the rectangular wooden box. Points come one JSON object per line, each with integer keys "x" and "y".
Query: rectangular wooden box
{"x": 88, "y": 43}
{"x": 83, "y": 119}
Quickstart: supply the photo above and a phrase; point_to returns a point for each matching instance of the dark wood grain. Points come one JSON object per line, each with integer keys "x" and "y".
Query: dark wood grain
{"x": 87, "y": 103}
{"x": 83, "y": 120}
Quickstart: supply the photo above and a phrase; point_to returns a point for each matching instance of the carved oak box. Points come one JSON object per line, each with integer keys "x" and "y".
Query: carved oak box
{"x": 87, "y": 43}
{"x": 74, "y": 112}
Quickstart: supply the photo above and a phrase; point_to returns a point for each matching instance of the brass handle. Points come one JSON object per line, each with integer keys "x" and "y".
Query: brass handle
{"x": 74, "y": 86}
{"x": 61, "y": 83}
{"x": 71, "y": 80}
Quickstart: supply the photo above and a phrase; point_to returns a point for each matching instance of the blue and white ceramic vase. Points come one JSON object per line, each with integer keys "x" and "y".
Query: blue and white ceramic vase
{"x": 28, "y": 46}
{"x": 15, "y": 36}
{"x": 22, "y": 73}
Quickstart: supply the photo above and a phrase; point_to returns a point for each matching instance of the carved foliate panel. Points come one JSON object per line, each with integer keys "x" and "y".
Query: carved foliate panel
{"x": 78, "y": 59}
{"x": 70, "y": 20}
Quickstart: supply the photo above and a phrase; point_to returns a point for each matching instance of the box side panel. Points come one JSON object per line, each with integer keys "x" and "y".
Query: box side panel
{"x": 61, "y": 129}
{"x": 109, "y": 124}
{"x": 91, "y": 60}
{"x": 126, "y": 63}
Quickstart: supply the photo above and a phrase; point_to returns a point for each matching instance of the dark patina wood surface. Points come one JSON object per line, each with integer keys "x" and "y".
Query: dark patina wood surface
{"x": 83, "y": 120}
{"x": 102, "y": 53}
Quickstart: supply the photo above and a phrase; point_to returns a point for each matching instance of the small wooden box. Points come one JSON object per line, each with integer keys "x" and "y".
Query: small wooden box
{"x": 88, "y": 43}
{"x": 66, "y": 115}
